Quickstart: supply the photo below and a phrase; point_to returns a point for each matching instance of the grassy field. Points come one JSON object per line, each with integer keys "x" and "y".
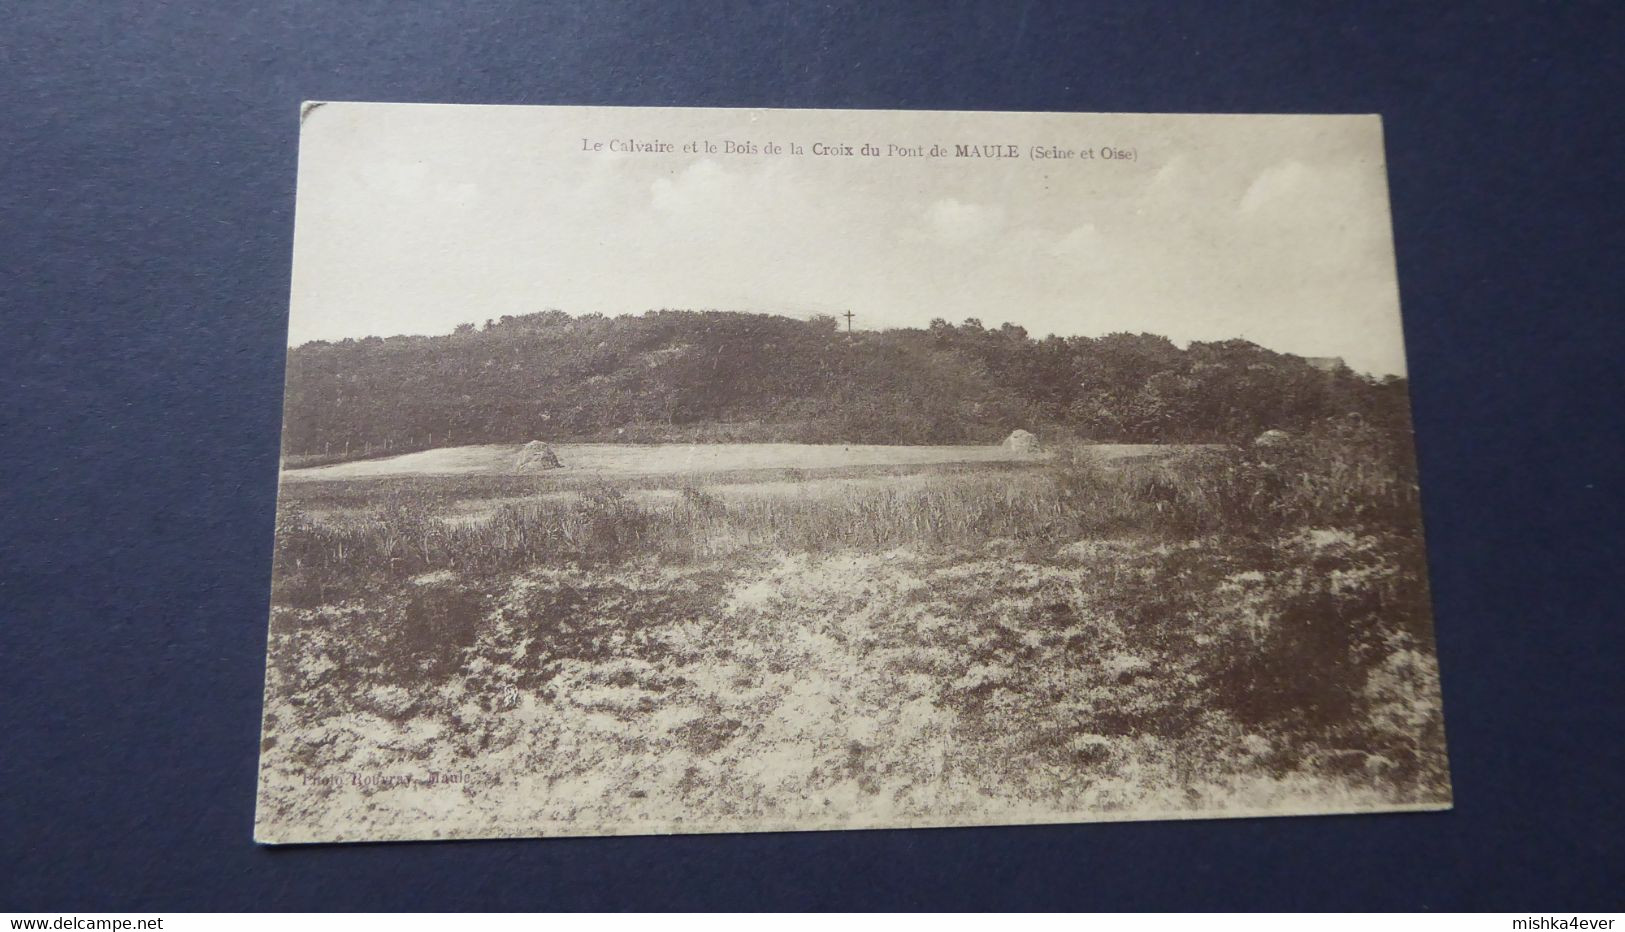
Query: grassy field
{"x": 785, "y": 637}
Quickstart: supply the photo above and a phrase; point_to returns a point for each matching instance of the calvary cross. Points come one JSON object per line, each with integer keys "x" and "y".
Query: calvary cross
{"x": 848, "y": 316}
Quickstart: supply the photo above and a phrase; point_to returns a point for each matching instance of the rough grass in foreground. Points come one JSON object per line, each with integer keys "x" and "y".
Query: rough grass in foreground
{"x": 1234, "y": 631}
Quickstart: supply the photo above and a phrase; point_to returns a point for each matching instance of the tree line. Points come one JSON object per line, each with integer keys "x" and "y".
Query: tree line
{"x": 673, "y": 375}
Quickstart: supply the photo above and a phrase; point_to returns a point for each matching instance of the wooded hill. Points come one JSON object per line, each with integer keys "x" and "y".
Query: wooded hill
{"x": 724, "y": 376}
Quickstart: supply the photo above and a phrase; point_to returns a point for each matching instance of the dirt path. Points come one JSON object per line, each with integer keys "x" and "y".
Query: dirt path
{"x": 682, "y": 459}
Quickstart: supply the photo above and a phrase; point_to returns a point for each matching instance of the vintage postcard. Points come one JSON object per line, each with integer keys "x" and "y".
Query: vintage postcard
{"x": 671, "y": 470}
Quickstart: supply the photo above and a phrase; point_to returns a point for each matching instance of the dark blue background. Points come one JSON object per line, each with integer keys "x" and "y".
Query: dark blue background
{"x": 146, "y": 201}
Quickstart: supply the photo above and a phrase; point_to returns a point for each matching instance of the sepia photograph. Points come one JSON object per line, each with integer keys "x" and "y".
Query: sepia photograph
{"x": 654, "y": 471}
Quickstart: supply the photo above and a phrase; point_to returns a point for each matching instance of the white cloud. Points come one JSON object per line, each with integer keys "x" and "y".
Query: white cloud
{"x": 395, "y": 178}
{"x": 955, "y": 222}
{"x": 699, "y": 186}
{"x": 1080, "y": 242}
{"x": 415, "y": 185}
{"x": 1285, "y": 183}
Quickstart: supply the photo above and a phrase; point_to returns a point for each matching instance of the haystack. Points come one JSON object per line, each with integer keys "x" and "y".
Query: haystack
{"x": 1272, "y": 438}
{"x": 536, "y": 456}
{"x": 1021, "y": 441}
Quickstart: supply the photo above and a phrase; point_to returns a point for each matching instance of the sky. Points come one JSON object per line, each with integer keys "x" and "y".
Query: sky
{"x": 416, "y": 218}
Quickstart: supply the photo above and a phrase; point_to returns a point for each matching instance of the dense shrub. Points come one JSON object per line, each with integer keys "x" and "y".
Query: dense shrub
{"x": 719, "y": 377}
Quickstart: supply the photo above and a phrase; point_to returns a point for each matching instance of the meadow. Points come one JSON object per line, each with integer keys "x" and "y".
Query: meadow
{"x": 850, "y": 639}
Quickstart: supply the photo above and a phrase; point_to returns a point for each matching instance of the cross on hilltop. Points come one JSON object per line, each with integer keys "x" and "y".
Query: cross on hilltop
{"x": 848, "y": 315}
